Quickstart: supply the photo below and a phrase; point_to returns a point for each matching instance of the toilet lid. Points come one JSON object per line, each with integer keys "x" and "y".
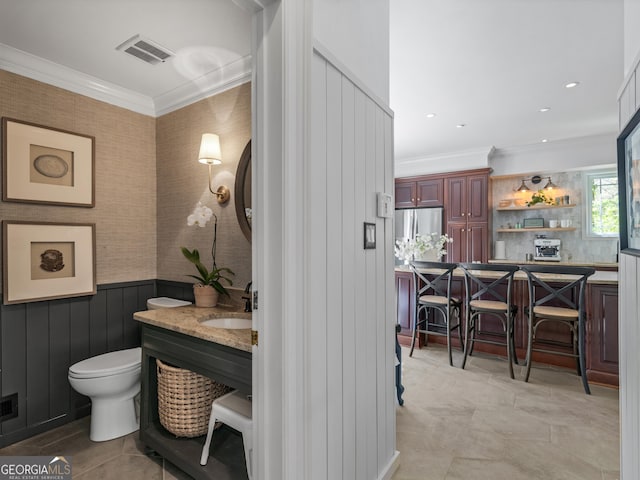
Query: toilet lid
{"x": 112, "y": 363}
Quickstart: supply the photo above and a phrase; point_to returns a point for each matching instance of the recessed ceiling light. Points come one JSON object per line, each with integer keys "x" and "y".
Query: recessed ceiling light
{"x": 544, "y": 140}
{"x": 431, "y": 115}
{"x": 461, "y": 125}
{"x": 545, "y": 109}
{"x": 572, "y": 84}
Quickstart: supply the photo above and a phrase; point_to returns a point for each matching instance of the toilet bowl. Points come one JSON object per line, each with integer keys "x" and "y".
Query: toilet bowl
{"x": 111, "y": 380}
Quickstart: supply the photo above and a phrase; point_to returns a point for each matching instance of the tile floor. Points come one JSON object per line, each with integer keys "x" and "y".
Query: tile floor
{"x": 478, "y": 424}
{"x": 472, "y": 424}
{"x": 122, "y": 458}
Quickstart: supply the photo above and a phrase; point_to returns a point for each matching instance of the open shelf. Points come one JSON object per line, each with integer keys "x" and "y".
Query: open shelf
{"x": 535, "y": 207}
{"x": 536, "y": 229}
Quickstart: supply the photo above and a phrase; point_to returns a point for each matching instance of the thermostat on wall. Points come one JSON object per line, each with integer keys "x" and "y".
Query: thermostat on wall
{"x": 385, "y": 207}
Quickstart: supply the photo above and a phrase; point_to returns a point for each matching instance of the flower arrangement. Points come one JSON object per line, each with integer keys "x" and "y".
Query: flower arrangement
{"x": 416, "y": 248}
{"x": 539, "y": 197}
{"x": 200, "y": 217}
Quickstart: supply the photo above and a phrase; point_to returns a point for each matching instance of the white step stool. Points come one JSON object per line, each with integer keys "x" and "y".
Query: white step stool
{"x": 232, "y": 409}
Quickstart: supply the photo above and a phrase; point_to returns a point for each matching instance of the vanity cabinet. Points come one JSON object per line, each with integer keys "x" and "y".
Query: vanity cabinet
{"x": 218, "y": 362}
{"x": 410, "y": 193}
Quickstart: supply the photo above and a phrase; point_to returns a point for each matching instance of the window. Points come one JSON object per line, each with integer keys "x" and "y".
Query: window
{"x": 602, "y": 204}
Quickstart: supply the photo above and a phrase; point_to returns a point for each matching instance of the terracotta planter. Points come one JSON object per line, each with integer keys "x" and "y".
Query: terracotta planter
{"x": 205, "y": 295}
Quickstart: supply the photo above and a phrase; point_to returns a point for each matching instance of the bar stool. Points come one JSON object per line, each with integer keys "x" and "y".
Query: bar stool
{"x": 486, "y": 295}
{"x": 234, "y": 410}
{"x": 433, "y": 292}
{"x": 559, "y": 297}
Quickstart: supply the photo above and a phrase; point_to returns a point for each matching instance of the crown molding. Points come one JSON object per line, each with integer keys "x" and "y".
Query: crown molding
{"x": 445, "y": 162}
{"x": 36, "y": 68}
{"x": 212, "y": 83}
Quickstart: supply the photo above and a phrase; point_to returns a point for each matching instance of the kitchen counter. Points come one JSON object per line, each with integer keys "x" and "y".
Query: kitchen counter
{"x": 600, "y": 277}
{"x": 595, "y": 265}
{"x": 186, "y": 320}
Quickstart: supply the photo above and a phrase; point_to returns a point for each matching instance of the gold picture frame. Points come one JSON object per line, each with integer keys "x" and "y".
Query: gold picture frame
{"x": 47, "y": 165}
{"x": 45, "y": 261}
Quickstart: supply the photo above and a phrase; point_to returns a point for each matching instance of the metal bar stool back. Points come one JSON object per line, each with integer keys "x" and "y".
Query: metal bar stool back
{"x": 432, "y": 283}
{"x": 558, "y": 297}
{"x": 485, "y": 294}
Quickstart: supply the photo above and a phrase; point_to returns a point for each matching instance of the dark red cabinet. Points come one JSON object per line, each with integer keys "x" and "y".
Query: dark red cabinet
{"x": 602, "y": 335}
{"x": 419, "y": 193}
{"x": 467, "y": 213}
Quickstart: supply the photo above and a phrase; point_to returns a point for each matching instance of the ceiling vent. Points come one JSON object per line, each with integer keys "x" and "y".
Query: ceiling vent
{"x": 146, "y": 50}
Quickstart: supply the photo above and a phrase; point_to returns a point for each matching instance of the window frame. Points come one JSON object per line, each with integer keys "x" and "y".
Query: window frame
{"x": 588, "y": 176}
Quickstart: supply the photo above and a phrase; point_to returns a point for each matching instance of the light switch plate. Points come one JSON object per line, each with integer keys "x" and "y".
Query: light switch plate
{"x": 385, "y": 207}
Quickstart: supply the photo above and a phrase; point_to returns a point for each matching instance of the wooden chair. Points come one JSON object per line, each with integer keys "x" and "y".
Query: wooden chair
{"x": 432, "y": 281}
{"x": 558, "y": 297}
{"x": 485, "y": 294}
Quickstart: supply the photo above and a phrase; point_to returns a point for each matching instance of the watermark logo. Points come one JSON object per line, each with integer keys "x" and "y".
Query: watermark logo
{"x": 35, "y": 468}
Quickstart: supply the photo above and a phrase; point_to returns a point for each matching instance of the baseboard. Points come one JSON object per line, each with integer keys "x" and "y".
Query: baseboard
{"x": 391, "y": 467}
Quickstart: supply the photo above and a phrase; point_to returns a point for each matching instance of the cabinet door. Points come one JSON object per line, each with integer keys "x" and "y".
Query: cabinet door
{"x": 456, "y": 195}
{"x": 457, "y": 250}
{"x": 478, "y": 242}
{"x": 602, "y": 348}
{"x": 405, "y": 301}
{"x": 430, "y": 193}
{"x": 477, "y": 198}
{"x": 405, "y": 194}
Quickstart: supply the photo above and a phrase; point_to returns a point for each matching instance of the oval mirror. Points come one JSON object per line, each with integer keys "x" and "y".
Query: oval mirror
{"x": 243, "y": 192}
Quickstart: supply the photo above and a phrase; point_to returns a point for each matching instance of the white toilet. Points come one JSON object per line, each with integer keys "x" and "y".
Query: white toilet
{"x": 112, "y": 381}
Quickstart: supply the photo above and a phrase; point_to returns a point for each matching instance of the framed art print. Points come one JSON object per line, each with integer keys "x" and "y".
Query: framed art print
{"x": 629, "y": 186}
{"x": 46, "y": 165}
{"x": 45, "y": 261}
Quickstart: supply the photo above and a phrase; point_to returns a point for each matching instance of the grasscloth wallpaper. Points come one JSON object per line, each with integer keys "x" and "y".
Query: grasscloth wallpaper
{"x": 125, "y": 183}
{"x": 183, "y": 182}
{"x": 147, "y": 178}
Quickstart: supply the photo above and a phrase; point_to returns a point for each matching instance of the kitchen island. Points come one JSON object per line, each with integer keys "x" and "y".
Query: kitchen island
{"x": 602, "y": 323}
{"x": 176, "y": 336}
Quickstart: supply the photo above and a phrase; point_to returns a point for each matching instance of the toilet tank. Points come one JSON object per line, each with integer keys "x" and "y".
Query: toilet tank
{"x": 165, "y": 302}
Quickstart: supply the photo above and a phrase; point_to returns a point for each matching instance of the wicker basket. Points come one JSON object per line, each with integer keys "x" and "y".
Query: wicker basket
{"x": 184, "y": 400}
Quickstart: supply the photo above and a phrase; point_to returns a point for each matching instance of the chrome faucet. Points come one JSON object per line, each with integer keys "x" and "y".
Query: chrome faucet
{"x": 247, "y": 299}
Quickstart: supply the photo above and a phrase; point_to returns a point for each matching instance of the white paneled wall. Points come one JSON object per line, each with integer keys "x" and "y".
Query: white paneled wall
{"x": 349, "y": 350}
{"x": 629, "y": 337}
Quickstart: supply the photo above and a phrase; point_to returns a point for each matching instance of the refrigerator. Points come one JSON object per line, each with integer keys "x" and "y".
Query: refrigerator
{"x": 411, "y": 221}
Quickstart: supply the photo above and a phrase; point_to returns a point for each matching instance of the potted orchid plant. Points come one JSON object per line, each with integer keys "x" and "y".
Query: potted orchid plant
{"x": 209, "y": 286}
{"x": 428, "y": 246}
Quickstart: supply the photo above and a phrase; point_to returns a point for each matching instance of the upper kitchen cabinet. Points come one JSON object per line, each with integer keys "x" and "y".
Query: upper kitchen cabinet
{"x": 468, "y": 197}
{"x": 428, "y": 192}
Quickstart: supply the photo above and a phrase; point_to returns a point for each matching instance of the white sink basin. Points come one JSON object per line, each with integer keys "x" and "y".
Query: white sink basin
{"x": 229, "y": 323}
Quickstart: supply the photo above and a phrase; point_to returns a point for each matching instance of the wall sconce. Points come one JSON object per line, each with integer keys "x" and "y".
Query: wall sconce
{"x": 536, "y": 179}
{"x": 210, "y": 155}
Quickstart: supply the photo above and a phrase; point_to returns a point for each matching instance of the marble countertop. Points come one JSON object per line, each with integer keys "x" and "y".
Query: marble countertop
{"x": 187, "y": 320}
{"x": 600, "y": 277}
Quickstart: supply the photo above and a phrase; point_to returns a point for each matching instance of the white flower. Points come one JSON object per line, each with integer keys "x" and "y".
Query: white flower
{"x": 200, "y": 216}
{"x": 414, "y": 248}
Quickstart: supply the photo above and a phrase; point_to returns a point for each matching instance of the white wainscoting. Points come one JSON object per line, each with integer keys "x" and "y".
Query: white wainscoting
{"x": 629, "y": 337}
{"x": 349, "y": 304}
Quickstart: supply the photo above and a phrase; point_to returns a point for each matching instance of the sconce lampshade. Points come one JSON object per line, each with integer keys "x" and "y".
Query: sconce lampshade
{"x": 210, "y": 153}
